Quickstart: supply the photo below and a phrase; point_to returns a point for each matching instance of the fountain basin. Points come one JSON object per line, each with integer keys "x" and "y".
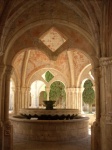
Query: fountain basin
{"x": 38, "y": 111}
{"x": 50, "y": 130}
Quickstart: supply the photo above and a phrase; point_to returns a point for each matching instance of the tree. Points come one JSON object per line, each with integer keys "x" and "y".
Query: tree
{"x": 48, "y": 76}
{"x": 57, "y": 91}
{"x": 88, "y": 94}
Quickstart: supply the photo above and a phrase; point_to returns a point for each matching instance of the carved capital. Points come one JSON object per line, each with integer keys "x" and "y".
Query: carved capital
{"x": 109, "y": 118}
{"x": 104, "y": 61}
{"x": 9, "y": 70}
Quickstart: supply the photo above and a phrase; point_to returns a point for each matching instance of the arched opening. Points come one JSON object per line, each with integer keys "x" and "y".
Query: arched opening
{"x": 65, "y": 67}
{"x": 12, "y": 96}
{"x": 36, "y": 88}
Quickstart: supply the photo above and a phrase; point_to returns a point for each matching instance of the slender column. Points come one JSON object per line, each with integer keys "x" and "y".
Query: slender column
{"x": 97, "y": 76}
{"x": 22, "y": 97}
{"x": 73, "y": 98}
{"x": 28, "y": 97}
{"x": 68, "y": 98}
{"x": 95, "y": 134}
{"x": 7, "y": 132}
{"x": 32, "y": 100}
{"x": 7, "y": 92}
{"x": 79, "y": 99}
{"x": 17, "y": 100}
{"x": 1, "y": 106}
{"x": 12, "y": 103}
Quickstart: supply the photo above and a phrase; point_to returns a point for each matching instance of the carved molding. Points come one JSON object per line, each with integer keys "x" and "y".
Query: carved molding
{"x": 104, "y": 61}
{"x": 7, "y": 128}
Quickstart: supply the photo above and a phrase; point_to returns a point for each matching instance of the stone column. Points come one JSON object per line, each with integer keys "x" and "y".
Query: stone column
{"x": 1, "y": 106}
{"x": 13, "y": 100}
{"x": 17, "y": 100}
{"x": 27, "y": 97}
{"x": 7, "y": 132}
{"x": 95, "y": 129}
{"x": 79, "y": 99}
{"x": 24, "y": 97}
{"x": 68, "y": 98}
{"x": 7, "y": 77}
{"x": 106, "y": 103}
{"x": 73, "y": 100}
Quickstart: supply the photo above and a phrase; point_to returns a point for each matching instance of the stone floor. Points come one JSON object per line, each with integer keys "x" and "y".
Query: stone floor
{"x": 83, "y": 144}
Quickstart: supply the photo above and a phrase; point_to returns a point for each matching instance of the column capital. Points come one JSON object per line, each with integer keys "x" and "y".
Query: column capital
{"x": 104, "y": 61}
{"x": 9, "y": 69}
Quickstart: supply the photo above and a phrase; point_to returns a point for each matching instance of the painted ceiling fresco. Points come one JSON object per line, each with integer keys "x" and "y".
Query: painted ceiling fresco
{"x": 53, "y": 39}
{"x": 18, "y": 63}
{"x": 80, "y": 61}
{"x": 38, "y": 60}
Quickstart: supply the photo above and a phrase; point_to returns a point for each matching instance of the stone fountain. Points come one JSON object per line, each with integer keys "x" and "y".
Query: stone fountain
{"x": 49, "y": 104}
{"x": 49, "y": 130}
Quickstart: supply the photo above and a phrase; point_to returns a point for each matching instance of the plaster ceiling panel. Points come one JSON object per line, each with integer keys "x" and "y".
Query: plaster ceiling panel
{"x": 36, "y": 59}
{"x": 18, "y": 63}
{"x": 62, "y": 63}
{"x": 53, "y": 39}
{"x": 80, "y": 61}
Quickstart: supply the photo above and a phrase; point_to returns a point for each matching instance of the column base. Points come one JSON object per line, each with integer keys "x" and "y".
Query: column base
{"x": 95, "y": 136}
{"x": 7, "y": 136}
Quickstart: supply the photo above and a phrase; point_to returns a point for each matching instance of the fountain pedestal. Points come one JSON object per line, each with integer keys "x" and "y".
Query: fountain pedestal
{"x": 49, "y": 104}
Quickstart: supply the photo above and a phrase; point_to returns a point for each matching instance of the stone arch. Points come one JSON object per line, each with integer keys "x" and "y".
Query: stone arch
{"x": 41, "y": 71}
{"x": 73, "y": 27}
{"x": 79, "y": 78}
{"x": 11, "y": 52}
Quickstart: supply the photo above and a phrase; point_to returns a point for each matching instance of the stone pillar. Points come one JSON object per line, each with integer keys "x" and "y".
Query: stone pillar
{"x": 73, "y": 99}
{"x": 1, "y": 106}
{"x": 68, "y": 98}
{"x": 106, "y": 103}
{"x": 13, "y": 99}
{"x": 95, "y": 129}
{"x": 102, "y": 127}
{"x": 17, "y": 100}
{"x": 79, "y": 99}
{"x": 27, "y": 97}
{"x": 7, "y": 134}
